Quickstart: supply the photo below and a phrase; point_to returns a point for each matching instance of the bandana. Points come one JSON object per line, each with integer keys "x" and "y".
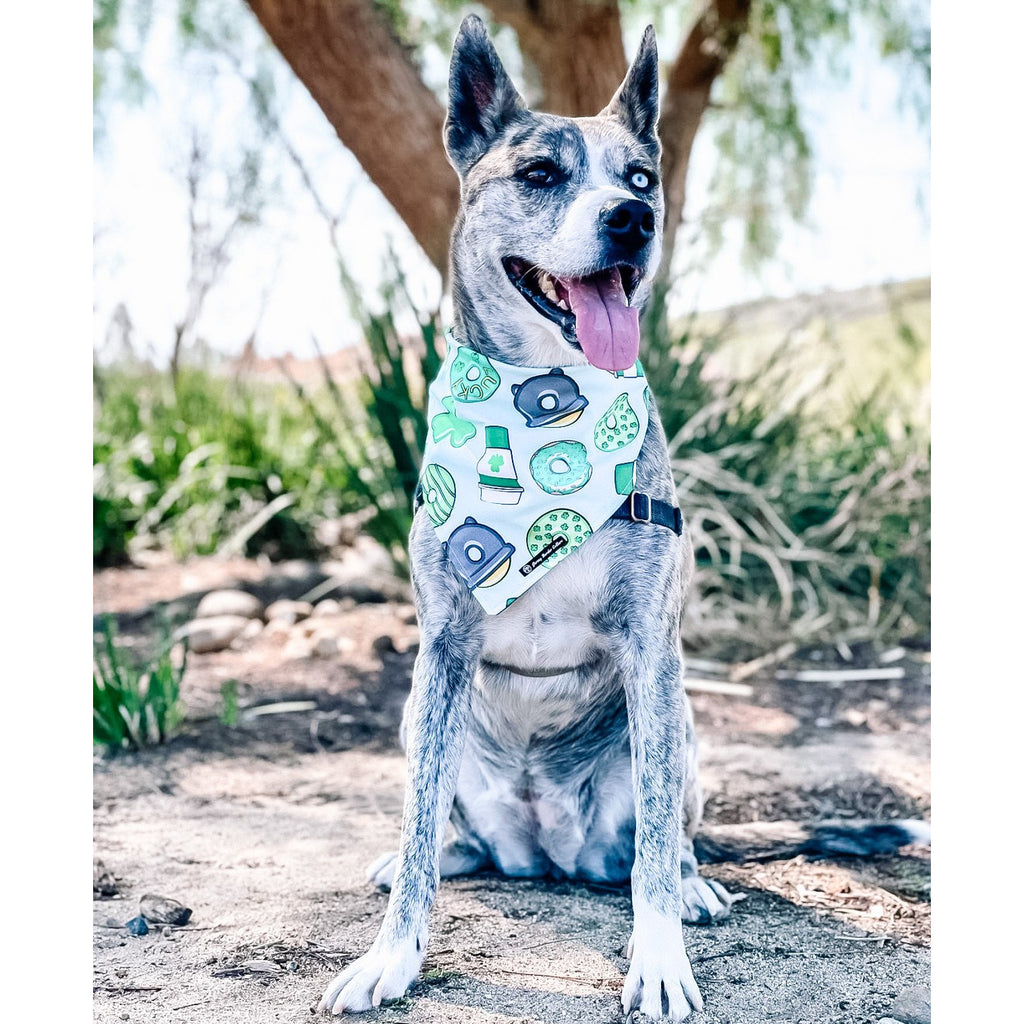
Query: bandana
{"x": 522, "y": 465}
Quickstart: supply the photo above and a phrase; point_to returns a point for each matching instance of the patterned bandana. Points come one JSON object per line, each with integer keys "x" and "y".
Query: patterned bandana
{"x": 523, "y": 464}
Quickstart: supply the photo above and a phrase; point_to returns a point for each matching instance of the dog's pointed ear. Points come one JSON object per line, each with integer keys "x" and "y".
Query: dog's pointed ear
{"x": 636, "y": 102}
{"x": 481, "y": 96}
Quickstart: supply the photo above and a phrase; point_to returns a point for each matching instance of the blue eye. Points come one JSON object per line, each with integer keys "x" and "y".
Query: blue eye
{"x": 640, "y": 180}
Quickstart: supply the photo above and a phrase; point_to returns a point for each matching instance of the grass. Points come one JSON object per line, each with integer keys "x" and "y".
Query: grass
{"x": 222, "y": 466}
{"x": 808, "y": 505}
{"x": 134, "y": 705}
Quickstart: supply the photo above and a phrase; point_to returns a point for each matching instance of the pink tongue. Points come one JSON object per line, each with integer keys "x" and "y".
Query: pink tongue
{"x": 607, "y": 329}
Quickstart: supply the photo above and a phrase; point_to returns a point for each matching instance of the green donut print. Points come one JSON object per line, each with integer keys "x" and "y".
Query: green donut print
{"x": 617, "y": 426}
{"x": 561, "y": 522}
{"x": 561, "y": 467}
{"x": 472, "y": 377}
{"x": 437, "y": 486}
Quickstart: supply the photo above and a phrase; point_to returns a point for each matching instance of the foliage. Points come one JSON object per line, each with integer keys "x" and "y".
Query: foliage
{"x": 803, "y": 523}
{"x": 223, "y": 465}
{"x": 134, "y": 705}
{"x": 383, "y": 416}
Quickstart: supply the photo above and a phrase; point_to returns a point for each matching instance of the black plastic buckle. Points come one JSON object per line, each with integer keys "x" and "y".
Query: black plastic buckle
{"x": 634, "y": 512}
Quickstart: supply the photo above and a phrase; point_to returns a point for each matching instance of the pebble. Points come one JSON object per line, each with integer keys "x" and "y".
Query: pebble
{"x": 325, "y": 645}
{"x": 252, "y": 629}
{"x": 163, "y": 910}
{"x": 327, "y": 607}
{"x": 914, "y": 1005}
{"x": 229, "y": 602}
{"x": 289, "y": 611}
{"x": 137, "y": 926}
{"x": 214, "y": 634}
{"x": 851, "y": 716}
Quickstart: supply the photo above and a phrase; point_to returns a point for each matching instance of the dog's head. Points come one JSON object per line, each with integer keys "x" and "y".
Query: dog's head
{"x": 559, "y": 229}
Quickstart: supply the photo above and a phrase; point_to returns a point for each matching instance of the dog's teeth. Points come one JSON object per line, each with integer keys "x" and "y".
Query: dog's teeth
{"x": 562, "y": 304}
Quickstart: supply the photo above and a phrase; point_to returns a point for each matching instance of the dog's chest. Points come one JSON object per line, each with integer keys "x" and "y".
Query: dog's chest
{"x": 551, "y": 625}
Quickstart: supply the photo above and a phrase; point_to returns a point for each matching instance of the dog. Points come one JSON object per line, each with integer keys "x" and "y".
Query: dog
{"x": 556, "y": 735}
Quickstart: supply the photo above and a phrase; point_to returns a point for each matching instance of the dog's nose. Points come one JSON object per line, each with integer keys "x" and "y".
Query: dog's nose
{"x": 629, "y": 223}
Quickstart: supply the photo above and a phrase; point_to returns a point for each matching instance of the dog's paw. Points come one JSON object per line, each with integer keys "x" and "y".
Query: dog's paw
{"x": 659, "y": 981}
{"x": 706, "y": 901}
{"x": 385, "y": 972}
{"x": 382, "y": 871}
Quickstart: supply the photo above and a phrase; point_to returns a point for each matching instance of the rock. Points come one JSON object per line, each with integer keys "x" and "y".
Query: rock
{"x": 163, "y": 910}
{"x": 851, "y": 716}
{"x": 214, "y": 634}
{"x": 914, "y": 1005}
{"x": 137, "y": 926}
{"x": 327, "y": 608}
{"x": 251, "y": 630}
{"x": 325, "y": 645}
{"x": 289, "y": 611}
{"x": 296, "y": 649}
{"x": 103, "y": 881}
{"x": 229, "y": 602}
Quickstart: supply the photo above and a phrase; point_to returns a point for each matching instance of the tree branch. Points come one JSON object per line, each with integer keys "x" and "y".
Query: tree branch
{"x": 347, "y": 56}
{"x": 708, "y": 45}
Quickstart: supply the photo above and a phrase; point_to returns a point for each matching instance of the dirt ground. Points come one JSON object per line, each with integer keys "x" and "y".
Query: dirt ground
{"x": 265, "y": 829}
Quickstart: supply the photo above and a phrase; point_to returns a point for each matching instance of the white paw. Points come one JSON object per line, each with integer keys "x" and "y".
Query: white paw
{"x": 705, "y": 900}
{"x": 385, "y": 972}
{"x": 382, "y": 871}
{"x": 659, "y": 972}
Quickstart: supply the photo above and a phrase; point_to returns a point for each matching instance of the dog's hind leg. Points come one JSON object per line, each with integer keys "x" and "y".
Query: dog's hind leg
{"x": 457, "y": 858}
{"x": 704, "y": 899}
{"x": 435, "y": 734}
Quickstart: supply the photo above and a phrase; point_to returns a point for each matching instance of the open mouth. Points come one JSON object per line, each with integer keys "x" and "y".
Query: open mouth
{"x": 593, "y": 312}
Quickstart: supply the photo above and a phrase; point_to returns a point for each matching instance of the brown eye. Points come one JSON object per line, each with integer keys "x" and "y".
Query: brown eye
{"x": 541, "y": 174}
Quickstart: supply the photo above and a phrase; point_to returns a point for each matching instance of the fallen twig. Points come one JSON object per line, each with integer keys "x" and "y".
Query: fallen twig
{"x": 748, "y": 668}
{"x": 842, "y": 675}
{"x": 720, "y": 686}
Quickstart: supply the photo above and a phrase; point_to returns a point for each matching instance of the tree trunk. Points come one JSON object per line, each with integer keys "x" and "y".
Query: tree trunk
{"x": 347, "y": 56}
{"x": 575, "y": 47}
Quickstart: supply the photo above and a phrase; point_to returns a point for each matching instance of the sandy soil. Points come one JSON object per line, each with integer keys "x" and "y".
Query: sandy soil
{"x": 265, "y": 830}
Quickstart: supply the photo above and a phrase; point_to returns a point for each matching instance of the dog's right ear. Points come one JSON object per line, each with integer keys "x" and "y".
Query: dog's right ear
{"x": 481, "y": 96}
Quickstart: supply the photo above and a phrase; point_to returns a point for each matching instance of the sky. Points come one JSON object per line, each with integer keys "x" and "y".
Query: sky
{"x": 867, "y": 223}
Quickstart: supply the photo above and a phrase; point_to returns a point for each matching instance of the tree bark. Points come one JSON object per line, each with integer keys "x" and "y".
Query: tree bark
{"x": 347, "y": 56}
{"x": 708, "y": 45}
{"x": 575, "y": 46}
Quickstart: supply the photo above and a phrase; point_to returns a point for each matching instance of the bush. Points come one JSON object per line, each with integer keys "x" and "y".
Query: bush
{"x": 134, "y": 705}
{"x": 215, "y": 465}
{"x": 804, "y": 523}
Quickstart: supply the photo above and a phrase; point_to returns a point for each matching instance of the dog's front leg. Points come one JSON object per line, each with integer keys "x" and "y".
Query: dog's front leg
{"x": 654, "y": 695}
{"x": 435, "y": 731}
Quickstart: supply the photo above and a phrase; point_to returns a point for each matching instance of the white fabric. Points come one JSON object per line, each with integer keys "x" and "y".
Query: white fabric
{"x": 523, "y": 464}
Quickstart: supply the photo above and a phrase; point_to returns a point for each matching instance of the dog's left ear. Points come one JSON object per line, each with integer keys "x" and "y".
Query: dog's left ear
{"x": 636, "y": 102}
{"x": 481, "y": 96}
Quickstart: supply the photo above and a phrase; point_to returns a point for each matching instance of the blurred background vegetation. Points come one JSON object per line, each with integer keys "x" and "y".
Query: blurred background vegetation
{"x": 798, "y": 429}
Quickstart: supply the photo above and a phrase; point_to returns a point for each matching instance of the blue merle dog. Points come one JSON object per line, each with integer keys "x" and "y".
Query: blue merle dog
{"x": 556, "y": 736}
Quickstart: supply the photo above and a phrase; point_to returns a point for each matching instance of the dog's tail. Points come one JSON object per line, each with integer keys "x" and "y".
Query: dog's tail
{"x": 767, "y": 840}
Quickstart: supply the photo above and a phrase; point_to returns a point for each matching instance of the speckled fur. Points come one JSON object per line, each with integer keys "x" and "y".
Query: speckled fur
{"x": 588, "y": 773}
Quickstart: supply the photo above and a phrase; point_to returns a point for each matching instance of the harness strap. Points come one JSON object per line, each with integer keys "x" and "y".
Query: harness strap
{"x": 637, "y": 508}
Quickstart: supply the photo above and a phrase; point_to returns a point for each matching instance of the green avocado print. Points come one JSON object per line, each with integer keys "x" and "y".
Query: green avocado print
{"x": 437, "y": 486}
{"x": 562, "y": 522}
{"x": 450, "y": 425}
{"x": 472, "y": 377}
{"x": 618, "y": 426}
